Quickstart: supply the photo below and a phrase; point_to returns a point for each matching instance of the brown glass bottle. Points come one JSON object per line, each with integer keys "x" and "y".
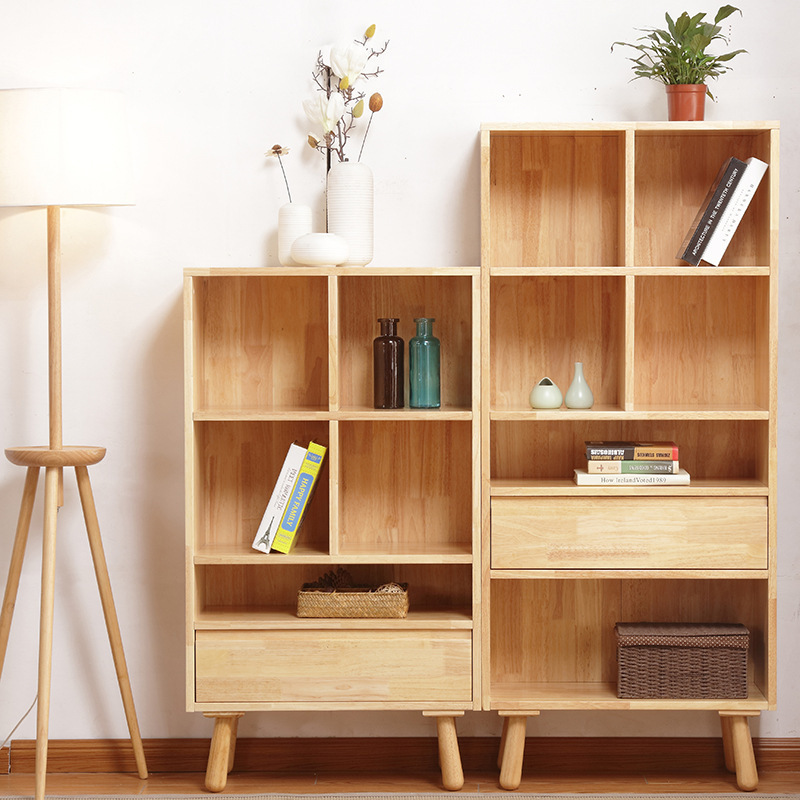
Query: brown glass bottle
{"x": 387, "y": 351}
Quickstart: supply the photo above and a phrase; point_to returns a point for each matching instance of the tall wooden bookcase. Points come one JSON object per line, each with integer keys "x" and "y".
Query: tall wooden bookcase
{"x": 580, "y": 229}
{"x": 285, "y": 354}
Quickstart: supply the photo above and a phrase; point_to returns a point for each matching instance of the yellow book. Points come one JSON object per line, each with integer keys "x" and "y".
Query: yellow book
{"x": 300, "y": 498}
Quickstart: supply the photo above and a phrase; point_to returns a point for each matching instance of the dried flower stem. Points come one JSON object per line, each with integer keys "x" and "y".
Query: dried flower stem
{"x": 285, "y": 180}
{"x": 366, "y": 133}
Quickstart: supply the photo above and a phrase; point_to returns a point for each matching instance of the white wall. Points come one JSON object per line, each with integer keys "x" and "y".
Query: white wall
{"x": 211, "y": 85}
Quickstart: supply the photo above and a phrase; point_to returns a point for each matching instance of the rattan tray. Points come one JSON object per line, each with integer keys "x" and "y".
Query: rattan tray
{"x": 333, "y": 595}
{"x": 694, "y": 660}
{"x": 352, "y": 603}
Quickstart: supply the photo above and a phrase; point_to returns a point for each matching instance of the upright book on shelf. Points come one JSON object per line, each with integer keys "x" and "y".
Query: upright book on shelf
{"x": 734, "y": 211}
{"x": 300, "y": 498}
{"x": 277, "y": 501}
{"x": 711, "y": 210}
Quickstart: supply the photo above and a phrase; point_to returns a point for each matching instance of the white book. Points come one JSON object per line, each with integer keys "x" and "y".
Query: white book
{"x": 277, "y": 501}
{"x": 583, "y": 478}
{"x": 734, "y": 211}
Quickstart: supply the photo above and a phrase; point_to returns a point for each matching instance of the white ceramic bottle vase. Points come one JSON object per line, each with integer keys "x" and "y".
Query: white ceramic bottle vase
{"x": 579, "y": 395}
{"x": 350, "y": 209}
{"x": 294, "y": 221}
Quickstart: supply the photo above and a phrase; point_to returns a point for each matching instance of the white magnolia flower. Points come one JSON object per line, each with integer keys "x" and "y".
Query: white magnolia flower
{"x": 324, "y": 111}
{"x": 348, "y": 61}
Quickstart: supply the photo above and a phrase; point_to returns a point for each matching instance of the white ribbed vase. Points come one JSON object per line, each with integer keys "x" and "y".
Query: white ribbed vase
{"x": 294, "y": 221}
{"x": 350, "y": 209}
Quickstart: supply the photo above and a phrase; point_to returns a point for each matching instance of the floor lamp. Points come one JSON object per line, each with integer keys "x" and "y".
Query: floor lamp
{"x": 61, "y": 147}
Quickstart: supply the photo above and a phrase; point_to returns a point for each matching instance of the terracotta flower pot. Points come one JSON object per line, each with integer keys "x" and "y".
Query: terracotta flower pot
{"x": 686, "y": 102}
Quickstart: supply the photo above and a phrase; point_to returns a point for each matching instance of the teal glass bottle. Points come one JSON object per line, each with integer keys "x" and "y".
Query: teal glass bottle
{"x": 387, "y": 352}
{"x": 424, "y": 366}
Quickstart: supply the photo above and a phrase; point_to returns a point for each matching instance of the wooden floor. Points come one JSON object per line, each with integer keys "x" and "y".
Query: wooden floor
{"x": 190, "y": 783}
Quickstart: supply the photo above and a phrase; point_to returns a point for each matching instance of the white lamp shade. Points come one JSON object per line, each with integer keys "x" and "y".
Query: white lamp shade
{"x": 64, "y": 147}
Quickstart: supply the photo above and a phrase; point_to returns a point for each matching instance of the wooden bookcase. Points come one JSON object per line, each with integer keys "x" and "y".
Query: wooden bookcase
{"x": 580, "y": 227}
{"x": 279, "y": 355}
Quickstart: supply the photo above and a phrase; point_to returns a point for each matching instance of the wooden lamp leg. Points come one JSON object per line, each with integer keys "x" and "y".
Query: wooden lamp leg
{"x": 17, "y": 556}
{"x": 51, "y": 491}
{"x": 110, "y": 614}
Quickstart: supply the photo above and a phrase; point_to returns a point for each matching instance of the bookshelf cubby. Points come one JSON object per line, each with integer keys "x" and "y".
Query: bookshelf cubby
{"x": 277, "y": 355}
{"x": 580, "y": 229}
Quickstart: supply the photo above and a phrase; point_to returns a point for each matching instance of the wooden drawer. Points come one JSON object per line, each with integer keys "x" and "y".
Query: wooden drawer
{"x": 629, "y": 533}
{"x": 332, "y": 666}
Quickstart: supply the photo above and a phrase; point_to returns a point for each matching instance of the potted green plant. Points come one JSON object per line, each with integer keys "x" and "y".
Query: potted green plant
{"x": 677, "y": 57}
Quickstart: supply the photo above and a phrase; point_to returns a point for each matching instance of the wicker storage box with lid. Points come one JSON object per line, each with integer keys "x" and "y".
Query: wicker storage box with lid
{"x": 681, "y": 660}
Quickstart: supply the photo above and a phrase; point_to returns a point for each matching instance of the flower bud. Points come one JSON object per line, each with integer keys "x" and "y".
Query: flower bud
{"x": 375, "y": 103}
{"x": 344, "y": 83}
{"x": 369, "y": 32}
{"x": 312, "y": 142}
{"x": 358, "y": 108}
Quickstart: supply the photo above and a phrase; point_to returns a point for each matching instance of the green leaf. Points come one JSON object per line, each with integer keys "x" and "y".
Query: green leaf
{"x": 725, "y": 11}
{"x": 699, "y": 43}
{"x": 682, "y": 25}
{"x": 729, "y": 56}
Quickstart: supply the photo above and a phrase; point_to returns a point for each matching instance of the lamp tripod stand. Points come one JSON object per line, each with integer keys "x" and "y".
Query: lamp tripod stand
{"x": 53, "y": 459}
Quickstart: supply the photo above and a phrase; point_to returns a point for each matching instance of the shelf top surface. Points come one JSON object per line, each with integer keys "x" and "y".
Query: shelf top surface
{"x": 308, "y": 272}
{"x": 662, "y": 126}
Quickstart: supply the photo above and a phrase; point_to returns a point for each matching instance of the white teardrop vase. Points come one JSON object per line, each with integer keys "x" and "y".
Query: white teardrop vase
{"x": 579, "y": 395}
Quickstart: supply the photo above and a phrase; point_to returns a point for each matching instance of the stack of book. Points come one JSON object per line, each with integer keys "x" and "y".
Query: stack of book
{"x": 290, "y": 498}
{"x": 631, "y": 464}
{"x": 722, "y": 210}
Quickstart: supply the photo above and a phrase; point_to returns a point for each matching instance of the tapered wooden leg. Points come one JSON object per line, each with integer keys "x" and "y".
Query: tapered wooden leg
{"x": 220, "y": 757}
{"x": 727, "y": 744}
{"x": 110, "y": 613}
{"x": 449, "y": 755}
{"x": 513, "y": 747}
{"x": 17, "y": 556}
{"x": 232, "y": 747}
{"x": 502, "y": 749}
{"x": 741, "y": 746}
{"x": 46, "y": 625}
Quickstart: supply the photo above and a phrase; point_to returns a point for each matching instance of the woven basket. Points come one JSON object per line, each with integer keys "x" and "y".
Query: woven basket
{"x": 353, "y": 602}
{"x": 687, "y": 660}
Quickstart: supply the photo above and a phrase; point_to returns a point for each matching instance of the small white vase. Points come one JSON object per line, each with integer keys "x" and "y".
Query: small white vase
{"x": 319, "y": 250}
{"x": 545, "y": 395}
{"x": 579, "y": 395}
{"x": 294, "y": 221}
{"x": 350, "y": 209}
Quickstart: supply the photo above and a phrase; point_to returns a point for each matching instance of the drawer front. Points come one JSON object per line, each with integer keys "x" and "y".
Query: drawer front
{"x": 629, "y": 533}
{"x": 330, "y": 666}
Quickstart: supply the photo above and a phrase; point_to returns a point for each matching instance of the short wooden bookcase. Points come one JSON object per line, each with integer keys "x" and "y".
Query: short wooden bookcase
{"x": 280, "y": 355}
{"x": 580, "y": 229}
